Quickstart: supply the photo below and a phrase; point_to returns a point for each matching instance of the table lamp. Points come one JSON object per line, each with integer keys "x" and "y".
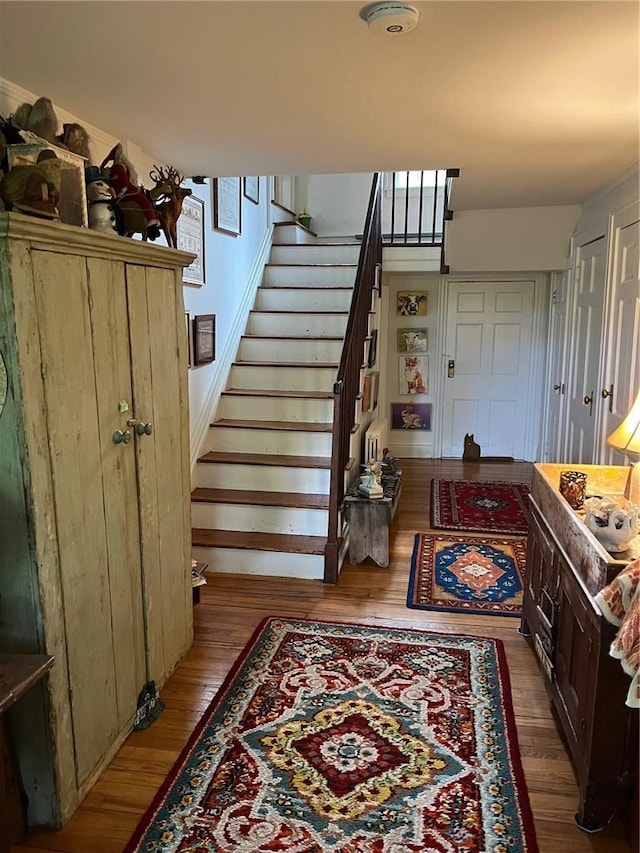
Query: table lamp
{"x": 627, "y": 439}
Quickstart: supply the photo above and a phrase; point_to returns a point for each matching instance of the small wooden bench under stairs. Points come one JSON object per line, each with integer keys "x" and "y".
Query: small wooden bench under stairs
{"x": 262, "y": 496}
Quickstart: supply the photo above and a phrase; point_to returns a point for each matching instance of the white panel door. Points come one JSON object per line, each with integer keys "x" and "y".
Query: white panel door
{"x": 622, "y": 349}
{"x": 584, "y": 383}
{"x": 488, "y": 367}
{"x": 556, "y": 387}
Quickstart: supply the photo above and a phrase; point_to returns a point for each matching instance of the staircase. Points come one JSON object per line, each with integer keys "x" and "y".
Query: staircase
{"x": 262, "y": 496}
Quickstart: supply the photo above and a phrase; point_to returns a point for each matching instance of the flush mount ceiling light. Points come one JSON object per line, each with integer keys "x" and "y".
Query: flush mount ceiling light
{"x": 390, "y": 18}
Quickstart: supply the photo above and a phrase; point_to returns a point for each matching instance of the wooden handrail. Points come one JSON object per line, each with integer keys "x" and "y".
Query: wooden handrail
{"x": 347, "y": 384}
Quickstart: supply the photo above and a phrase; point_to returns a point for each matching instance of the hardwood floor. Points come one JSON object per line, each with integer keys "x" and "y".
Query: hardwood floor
{"x": 230, "y": 609}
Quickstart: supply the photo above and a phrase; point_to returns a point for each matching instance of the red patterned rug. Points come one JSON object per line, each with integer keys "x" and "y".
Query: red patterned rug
{"x": 463, "y": 574}
{"x": 481, "y": 506}
{"x": 337, "y": 738}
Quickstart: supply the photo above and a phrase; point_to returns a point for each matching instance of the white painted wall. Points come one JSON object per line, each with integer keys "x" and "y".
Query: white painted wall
{"x": 409, "y": 443}
{"x": 510, "y": 240}
{"x": 233, "y": 265}
{"x": 337, "y": 203}
{"x": 595, "y": 213}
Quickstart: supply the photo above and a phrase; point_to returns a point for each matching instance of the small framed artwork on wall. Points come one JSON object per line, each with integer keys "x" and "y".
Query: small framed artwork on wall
{"x": 190, "y": 238}
{"x": 187, "y": 321}
{"x": 226, "y": 205}
{"x": 413, "y": 374}
{"x": 411, "y": 303}
{"x": 412, "y": 340}
{"x": 411, "y": 416}
{"x": 252, "y": 188}
{"x": 373, "y": 348}
{"x": 204, "y": 338}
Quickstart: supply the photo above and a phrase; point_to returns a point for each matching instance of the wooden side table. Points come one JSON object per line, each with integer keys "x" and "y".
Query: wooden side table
{"x": 198, "y": 579}
{"x": 18, "y": 674}
{"x": 369, "y": 522}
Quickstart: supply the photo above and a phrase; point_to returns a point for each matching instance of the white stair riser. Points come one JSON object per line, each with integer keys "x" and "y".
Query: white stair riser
{"x": 292, "y": 234}
{"x": 260, "y": 519}
{"x": 275, "y": 409}
{"x": 282, "y": 378}
{"x": 271, "y": 563}
{"x": 283, "y": 324}
{"x": 287, "y": 442}
{"x": 315, "y": 254}
{"x": 277, "y": 350}
{"x": 303, "y": 299}
{"x": 264, "y": 478}
{"x": 309, "y": 276}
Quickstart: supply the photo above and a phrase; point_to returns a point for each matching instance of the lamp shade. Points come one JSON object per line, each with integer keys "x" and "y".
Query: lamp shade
{"x": 627, "y": 436}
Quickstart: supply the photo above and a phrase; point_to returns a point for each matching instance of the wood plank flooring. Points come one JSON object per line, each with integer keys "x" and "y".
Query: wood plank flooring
{"x": 230, "y": 609}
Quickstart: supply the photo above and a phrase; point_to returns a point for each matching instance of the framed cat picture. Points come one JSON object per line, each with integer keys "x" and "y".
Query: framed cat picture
{"x": 413, "y": 374}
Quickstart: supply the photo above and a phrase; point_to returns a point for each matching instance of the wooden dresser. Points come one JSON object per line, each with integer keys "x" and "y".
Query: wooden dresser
{"x": 566, "y": 568}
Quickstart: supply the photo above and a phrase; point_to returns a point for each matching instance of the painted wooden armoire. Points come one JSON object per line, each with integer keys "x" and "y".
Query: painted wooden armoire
{"x": 94, "y": 482}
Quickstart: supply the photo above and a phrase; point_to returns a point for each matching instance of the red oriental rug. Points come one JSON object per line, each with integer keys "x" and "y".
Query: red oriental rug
{"x": 481, "y": 506}
{"x": 328, "y": 738}
{"x": 464, "y": 574}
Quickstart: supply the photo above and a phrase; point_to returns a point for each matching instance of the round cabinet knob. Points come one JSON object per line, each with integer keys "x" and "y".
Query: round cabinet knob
{"x": 588, "y": 399}
{"x": 144, "y": 429}
{"x": 121, "y": 436}
{"x": 556, "y": 387}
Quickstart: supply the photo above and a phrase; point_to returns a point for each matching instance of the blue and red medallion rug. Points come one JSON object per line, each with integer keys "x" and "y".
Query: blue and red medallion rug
{"x": 463, "y": 574}
{"x": 482, "y": 506}
{"x": 339, "y": 738}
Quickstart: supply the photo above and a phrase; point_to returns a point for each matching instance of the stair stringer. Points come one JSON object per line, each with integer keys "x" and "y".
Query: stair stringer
{"x": 226, "y": 354}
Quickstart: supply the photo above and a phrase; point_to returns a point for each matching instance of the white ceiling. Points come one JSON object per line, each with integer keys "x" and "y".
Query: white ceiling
{"x": 536, "y": 102}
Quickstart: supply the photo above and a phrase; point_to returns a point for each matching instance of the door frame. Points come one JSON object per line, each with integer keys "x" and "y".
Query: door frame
{"x": 537, "y": 359}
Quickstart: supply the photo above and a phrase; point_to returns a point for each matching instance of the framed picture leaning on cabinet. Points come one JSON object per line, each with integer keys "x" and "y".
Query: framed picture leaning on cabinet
{"x": 204, "y": 338}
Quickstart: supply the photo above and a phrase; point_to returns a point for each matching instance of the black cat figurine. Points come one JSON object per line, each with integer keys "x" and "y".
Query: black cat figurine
{"x": 472, "y": 452}
{"x": 471, "y": 449}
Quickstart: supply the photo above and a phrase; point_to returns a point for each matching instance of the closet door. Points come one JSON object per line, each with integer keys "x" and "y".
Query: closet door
{"x": 78, "y": 450}
{"x": 621, "y": 373}
{"x": 584, "y": 383}
{"x": 156, "y": 327}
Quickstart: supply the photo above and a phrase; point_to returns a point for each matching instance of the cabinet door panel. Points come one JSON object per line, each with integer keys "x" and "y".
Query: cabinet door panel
{"x": 574, "y": 653}
{"x": 156, "y": 393}
{"x": 110, "y": 329}
{"x": 74, "y": 445}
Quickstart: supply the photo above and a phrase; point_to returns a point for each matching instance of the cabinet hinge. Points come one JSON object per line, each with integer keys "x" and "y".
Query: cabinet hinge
{"x": 43, "y": 371}
{"x": 590, "y": 644}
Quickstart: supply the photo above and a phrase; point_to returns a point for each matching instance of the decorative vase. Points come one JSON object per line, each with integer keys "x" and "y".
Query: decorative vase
{"x": 573, "y": 487}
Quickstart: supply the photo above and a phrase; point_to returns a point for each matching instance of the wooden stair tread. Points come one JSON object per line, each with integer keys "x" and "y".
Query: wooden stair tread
{"x": 316, "y": 245}
{"x": 234, "y": 458}
{"x": 315, "y": 265}
{"x": 325, "y": 288}
{"x": 289, "y": 426}
{"x": 303, "y": 313}
{"x": 305, "y": 364}
{"x": 297, "y": 224}
{"x": 275, "y": 392}
{"x": 251, "y": 497}
{"x": 251, "y": 337}
{"x": 250, "y": 540}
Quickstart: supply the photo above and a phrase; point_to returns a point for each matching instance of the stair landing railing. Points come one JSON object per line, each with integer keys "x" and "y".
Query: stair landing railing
{"x": 347, "y": 385}
{"x": 416, "y": 208}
